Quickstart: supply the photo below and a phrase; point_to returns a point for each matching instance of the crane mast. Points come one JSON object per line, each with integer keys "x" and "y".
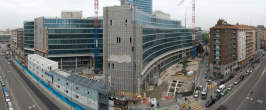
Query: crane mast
{"x": 96, "y": 36}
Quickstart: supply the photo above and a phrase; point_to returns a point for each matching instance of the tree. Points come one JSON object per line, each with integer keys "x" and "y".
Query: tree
{"x": 185, "y": 64}
{"x": 206, "y": 38}
{"x": 200, "y": 49}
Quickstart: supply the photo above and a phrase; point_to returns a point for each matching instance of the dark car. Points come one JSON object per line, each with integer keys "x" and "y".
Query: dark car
{"x": 217, "y": 97}
{"x": 209, "y": 103}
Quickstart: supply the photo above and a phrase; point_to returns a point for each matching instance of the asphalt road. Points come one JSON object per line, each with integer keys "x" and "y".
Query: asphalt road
{"x": 24, "y": 94}
{"x": 240, "y": 99}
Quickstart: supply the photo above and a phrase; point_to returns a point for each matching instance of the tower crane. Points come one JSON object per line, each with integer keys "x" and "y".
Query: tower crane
{"x": 96, "y": 36}
{"x": 193, "y": 26}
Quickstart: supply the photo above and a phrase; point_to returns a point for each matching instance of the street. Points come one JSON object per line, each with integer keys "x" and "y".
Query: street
{"x": 24, "y": 95}
{"x": 249, "y": 94}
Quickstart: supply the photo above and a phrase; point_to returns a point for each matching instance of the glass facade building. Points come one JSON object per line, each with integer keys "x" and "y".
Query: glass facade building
{"x": 143, "y": 5}
{"x": 28, "y": 37}
{"x": 161, "y": 36}
{"x": 71, "y": 41}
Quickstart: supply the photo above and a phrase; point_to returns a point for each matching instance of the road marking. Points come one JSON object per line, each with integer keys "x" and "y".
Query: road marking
{"x": 234, "y": 92}
{"x": 260, "y": 101}
{"x": 20, "y": 80}
{"x": 251, "y": 99}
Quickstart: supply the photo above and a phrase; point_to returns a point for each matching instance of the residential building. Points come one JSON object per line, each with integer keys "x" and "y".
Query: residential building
{"x": 262, "y": 33}
{"x": 231, "y": 46}
{"x": 138, "y": 47}
{"x": 69, "y": 41}
{"x": 246, "y": 44}
{"x": 143, "y": 5}
{"x": 28, "y": 38}
{"x": 17, "y": 42}
{"x": 87, "y": 93}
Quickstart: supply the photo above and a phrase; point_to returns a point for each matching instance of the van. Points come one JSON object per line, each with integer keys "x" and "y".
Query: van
{"x": 220, "y": 88}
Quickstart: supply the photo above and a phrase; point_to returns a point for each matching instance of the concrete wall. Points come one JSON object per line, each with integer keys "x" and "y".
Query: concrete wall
{"x": 40, "y": 37}
{"x": 121, "y": 55}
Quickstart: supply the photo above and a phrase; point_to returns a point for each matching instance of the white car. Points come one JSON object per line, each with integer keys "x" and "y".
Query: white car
{"x": 7, "y": 99}
{"x": 196, "y": 94}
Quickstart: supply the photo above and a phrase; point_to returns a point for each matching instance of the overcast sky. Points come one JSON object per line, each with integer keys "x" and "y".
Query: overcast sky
{"x": 250, "y": 12}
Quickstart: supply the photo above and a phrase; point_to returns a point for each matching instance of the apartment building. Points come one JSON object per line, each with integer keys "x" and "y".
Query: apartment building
{"x": 231, "y": 46}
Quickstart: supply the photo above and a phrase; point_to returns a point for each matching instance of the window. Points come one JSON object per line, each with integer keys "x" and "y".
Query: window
{"x": 58, "y": 86}
{"x": 117, "y": 40}
{"x": 108, "y": 65}
{"x": 126, "y": 20}
{"x": 66, "y": 91}
{"x": 88, "y": 92}
{"x": 77, "y": 96}
{"x": 58, "y": 79}
{"x": 77, "y": 88}
{"x": 113, "y": 66}
{"x": 133, "y": 49}
{"x": 130, "y": 39}
{"x": 66, "y": 83}
{"x": 111, "y": 22}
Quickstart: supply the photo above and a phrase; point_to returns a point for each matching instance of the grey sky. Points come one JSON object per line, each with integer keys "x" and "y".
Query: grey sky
{"x": 251, "y": 12}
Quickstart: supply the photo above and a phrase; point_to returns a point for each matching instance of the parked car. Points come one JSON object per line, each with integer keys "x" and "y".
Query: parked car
{"x": 196, "y": 94}
{"x": 204, "y": 93}
{"x": 7, "y": 99}
{"x": 220, "y": 88}
{"x": 230, "y": 87}
{"x": 224, "y": 92}
{"x": 237, "y": 81}
{"x": 209, "y": 102}
{"x": 217, "y": 97}
{"x": 10, "y": 106}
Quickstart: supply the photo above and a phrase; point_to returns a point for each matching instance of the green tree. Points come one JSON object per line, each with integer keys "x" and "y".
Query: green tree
{"x": 206, "y": 38}
{"x": 185, "y": 64}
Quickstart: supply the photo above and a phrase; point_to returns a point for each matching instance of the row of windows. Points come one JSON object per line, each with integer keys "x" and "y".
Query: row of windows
{"x": 79, "y": 25}
{"x": 74, "y": 41}
{"x": 159, "y": 51}
{"x": 71, "y": 21}
{"x": 79, "y": 46}
{"x": 74, "y": 36}
{"x": 74, "y": 30}
{"x": 80, "y": 51}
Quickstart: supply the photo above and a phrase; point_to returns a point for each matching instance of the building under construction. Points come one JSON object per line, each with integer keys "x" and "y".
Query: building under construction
{"x": 138, "y": 47}
{"x": 67, "y": 40}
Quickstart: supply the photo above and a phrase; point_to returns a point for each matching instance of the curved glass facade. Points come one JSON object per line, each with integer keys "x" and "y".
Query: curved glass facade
{"x": 161, "y": 36}
{"x": 159, "y": 41}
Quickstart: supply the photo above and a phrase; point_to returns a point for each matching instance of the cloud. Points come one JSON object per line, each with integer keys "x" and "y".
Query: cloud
{"x": 14, "y": 12}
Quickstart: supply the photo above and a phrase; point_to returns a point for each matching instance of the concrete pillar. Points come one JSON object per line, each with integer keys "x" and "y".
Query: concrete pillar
{"x": 61, "y": 63}
{"x": 76, "y": 63}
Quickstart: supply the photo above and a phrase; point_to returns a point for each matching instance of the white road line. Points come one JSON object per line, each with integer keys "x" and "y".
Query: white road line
{"x": 20, "y": 80}
{"x": 257, "y": 82}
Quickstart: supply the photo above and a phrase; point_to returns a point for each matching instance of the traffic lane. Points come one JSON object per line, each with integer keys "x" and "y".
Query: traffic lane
{"x": 19, "y": 92}
{"x": 232, "y": 100}
{"x": 44, "y": 98}
{"x": 255, "y": 101}
{"x": 2, "y": 100}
